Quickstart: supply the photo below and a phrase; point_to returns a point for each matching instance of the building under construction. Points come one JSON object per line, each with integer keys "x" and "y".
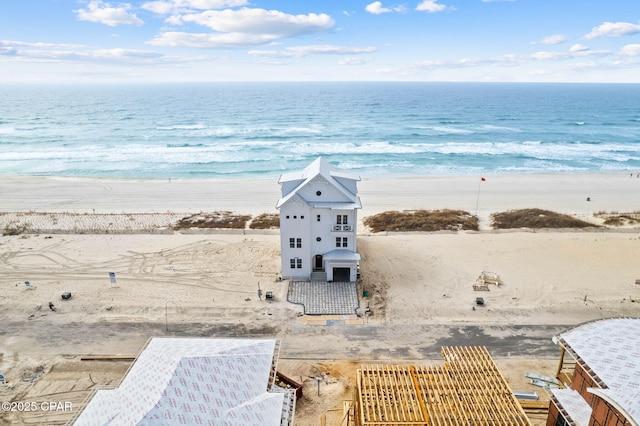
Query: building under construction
{"x": 468, "y": 390}
{"x": 600, "y": 369}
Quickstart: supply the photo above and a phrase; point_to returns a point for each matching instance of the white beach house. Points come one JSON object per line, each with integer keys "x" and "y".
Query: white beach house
{"x": 318, "y": 217}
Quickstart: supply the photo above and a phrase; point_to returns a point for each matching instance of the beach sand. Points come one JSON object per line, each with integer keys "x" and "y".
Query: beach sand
{"x": 420, "y": 285}
{"x": 564, "y": 193}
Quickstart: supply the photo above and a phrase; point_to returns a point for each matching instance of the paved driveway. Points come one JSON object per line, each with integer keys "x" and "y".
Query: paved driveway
{"x": 324, "y": 298}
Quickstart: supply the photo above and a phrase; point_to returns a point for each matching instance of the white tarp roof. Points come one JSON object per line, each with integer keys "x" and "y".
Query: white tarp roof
{"x": 610, "y": 348}
{"x": 574, "y": 405}
{"x": 193, "y": 381}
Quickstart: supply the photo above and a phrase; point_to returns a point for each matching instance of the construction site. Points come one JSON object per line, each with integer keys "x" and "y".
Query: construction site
{"x": 468, "y": 389}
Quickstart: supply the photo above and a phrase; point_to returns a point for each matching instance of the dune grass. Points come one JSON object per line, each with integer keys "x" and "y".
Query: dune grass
{"x": 618, "y": 218}
{"x": 265, "y": 221}
{"x": 422, "y": 220}
{"x": 221, "y": 219}
{"x": 536, "y": 219}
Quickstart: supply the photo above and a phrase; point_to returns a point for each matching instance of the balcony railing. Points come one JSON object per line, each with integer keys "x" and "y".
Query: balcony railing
{"x": 342, "y": 228}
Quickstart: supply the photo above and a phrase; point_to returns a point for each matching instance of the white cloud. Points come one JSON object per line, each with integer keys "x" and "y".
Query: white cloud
{"x": 332, "y": 50}
{"x": 273, "y": 53}
{"x": 630, "y": 50}
{"x": 165, "y": 7}
{"x": 52, "y": 52}
{"x": 353, "y": 61}
{"x": 105, "y": 13}
{"x": 550, "y": 56}
{"x": 431, "y": 64}
{"x": 124, "y": 54}
{"x": 430, "y": 6}
{"x": 613, "y": 29}
{"x": 376, "y": 8}
{"x": 553, "y": 39}
{"x": 216, "y": 40}
{"x": 300, "y": 51}
{"x": 261, "y": 21}
{"x": 243, "y": 27}
{"x": 578, "y": 48}
{"x": 39, "y": 45}
{"x": 504, "y": 60}
{"x": 159, "y": 7}
{"x": 6, "y": 50}
{"x": 575, "y": 51}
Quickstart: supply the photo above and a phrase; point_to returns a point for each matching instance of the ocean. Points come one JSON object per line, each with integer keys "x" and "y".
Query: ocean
{"x": 259, "y": 130}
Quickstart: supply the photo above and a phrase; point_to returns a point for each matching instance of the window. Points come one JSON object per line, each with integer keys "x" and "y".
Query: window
{"x": 292, "y": 263}
{"x": 299, "y": 263}
{"x": 292, "y": 242}
{"x": 344, "y": 241}
{"x": 298, "y": 242}
{"x": 295, "y": 263}
{"x": 341, "y": 219}
{"x": 318, "y": 193}
{"x": 301, "y": 217}
{"x": 318, "y": 239}
{"x": 341, "y": 242}
{"x": 295, "y": 217}
{"x": 287, "y": 216}
{"x": 338, "y": 241}
{"x": 318, "y": 218}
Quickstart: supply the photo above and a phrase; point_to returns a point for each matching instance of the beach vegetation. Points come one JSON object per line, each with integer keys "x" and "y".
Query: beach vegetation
{"x": 618, "y": 218}
{"x": 221, "y": 219}
{"x": 265, "y": 221}
{"x": 536, "y": 219}
{"x": 15, "y": 228}
{"x": 422, "y": 220}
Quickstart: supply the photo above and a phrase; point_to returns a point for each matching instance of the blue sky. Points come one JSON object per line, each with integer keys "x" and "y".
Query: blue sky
{"x": 300, "y": 40}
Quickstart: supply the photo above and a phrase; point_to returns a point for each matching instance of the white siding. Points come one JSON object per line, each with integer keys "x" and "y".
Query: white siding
{"x": 295, "y": 226}
{"x": 299, "y": 218}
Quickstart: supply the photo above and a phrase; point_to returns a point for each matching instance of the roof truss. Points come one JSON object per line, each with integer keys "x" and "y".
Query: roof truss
{"x": 468, "y": 389}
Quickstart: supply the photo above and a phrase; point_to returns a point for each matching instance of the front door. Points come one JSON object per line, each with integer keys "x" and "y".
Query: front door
{"x": 318, "y": 261}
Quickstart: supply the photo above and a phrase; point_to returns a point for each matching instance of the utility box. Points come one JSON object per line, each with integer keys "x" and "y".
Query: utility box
{"x": 66, "y": 295}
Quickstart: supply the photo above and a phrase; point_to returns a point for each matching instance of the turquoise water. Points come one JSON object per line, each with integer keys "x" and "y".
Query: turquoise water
{"x": 250, "y": 130}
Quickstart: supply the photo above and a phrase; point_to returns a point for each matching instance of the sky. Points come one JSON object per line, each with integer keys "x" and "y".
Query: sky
{"x": 312, "y": 40}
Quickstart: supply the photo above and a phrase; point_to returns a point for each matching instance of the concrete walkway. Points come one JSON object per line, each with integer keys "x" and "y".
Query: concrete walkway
{"x": 324, "y": 298}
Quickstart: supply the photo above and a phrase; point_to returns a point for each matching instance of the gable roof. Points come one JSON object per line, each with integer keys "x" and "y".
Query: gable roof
{"x": 194, "y": 381}
{"x": 319, "y": 169}
{"x": 608, "y": 349}
{"x": 319, "y": 166}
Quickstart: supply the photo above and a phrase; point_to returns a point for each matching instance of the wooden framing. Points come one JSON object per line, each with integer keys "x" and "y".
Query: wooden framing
{"x": 468, "y": 390}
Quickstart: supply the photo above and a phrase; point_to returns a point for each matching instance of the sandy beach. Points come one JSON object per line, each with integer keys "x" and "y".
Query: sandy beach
{"x": 563, "y": 193}
{"x": 420, "y": 285}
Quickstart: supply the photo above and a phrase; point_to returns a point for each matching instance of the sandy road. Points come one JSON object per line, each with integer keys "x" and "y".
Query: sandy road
{"x": 365, "y": 342}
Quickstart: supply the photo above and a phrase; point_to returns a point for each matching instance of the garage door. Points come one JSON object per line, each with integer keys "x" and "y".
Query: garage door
{"x": 341, "y": 274}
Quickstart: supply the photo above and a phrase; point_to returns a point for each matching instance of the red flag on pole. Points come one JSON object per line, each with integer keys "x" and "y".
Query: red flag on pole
{"x": 482, "y": 179}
